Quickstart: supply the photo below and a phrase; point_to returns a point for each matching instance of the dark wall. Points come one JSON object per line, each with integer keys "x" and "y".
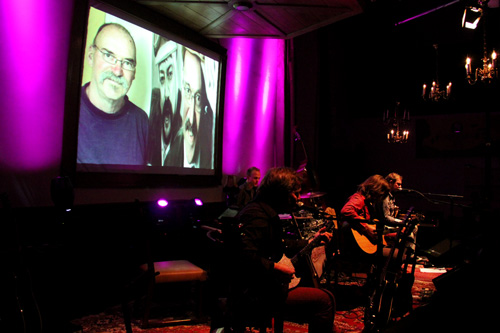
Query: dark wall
{"x": 349, "y": 73}
{"x": 74, "y": 263}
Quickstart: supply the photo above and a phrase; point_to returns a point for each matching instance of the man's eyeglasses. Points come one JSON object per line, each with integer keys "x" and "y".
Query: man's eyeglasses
{"x": 126, "y": 64}
{"x": 188, "y": 92}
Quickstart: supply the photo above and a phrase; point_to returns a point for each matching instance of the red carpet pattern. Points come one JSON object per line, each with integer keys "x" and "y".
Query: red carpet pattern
{"x": 347, "y": 319}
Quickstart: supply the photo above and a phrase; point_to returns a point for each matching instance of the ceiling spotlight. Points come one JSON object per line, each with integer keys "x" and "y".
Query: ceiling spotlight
{"x": 242, "y": 5}
{"x": 471, "y": 17}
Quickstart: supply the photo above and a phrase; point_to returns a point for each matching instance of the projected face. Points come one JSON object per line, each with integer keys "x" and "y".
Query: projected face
{"x": 112, "y": 58}
{"x": 166, "y": 72}
{"x": 167, "y": 125}
{"x": 191, "y": 101}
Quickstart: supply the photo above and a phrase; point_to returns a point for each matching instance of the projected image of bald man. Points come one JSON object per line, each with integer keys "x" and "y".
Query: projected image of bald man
{"x": 112, "y": 130}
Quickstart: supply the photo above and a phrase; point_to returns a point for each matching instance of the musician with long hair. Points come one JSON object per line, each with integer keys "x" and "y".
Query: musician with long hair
{"x": 361, "y": 211}
{"x": 262, "y": 289}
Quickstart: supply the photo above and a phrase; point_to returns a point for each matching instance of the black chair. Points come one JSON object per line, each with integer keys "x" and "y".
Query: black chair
{"x": 151, "y": 274}
{"x": 224, "y": 276}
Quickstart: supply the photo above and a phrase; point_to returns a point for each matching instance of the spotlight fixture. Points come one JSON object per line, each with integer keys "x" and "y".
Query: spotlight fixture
{"x": 471, "y": 17}
{"x": 198, "y": 202}
{"x": 397, "y": 126}
{"x": 242, "y": 5}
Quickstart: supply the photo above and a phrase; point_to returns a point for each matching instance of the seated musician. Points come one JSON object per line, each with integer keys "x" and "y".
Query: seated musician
{"x": 262, "y": 287}
{"x": 359, "y": 215}
{"x": 391, "y": 210}
{"x": 363, "y": 227}
{"x": 248, "y": 189}
{"x": 362, "y": 215}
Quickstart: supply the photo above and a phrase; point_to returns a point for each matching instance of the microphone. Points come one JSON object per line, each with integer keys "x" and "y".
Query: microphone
{"x": 406, "y": 190}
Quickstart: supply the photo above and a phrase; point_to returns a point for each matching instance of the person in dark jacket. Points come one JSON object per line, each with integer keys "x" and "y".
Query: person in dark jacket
{"x": 262, "y": 289}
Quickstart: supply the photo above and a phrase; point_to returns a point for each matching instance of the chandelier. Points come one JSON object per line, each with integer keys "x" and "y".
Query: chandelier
{"x": 436, "y": 93}
{"x": 397, "y": 126}
{"x": 489, "y": 71}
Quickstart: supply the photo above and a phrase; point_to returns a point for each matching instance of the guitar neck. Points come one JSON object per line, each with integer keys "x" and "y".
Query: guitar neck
{"x": 308, "y": 248}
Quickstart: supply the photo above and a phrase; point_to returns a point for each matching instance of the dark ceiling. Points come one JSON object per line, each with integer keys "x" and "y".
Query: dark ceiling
{"x": 253, "y": 18}
{"x": 290, "y": 18}
{"x": 398, "y": 32}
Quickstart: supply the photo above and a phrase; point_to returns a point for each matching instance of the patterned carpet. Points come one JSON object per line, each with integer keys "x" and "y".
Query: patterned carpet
{"x": 348, "y": 318}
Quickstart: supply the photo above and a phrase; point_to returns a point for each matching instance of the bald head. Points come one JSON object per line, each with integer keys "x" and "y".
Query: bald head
{"x": 117, "y": 27}
{"x": 112, "y": 58}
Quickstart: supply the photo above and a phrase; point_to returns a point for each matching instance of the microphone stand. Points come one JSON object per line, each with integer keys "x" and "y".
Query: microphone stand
{"x": 309, "y": 172}
{"x": 452, "y": 203}
{"x": 452, "y": 216}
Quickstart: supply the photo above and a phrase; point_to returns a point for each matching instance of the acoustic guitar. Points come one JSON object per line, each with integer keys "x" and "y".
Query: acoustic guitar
{"x": 391, "y": 282}
{"x": 365, "y": 243}
{"x": 306, "y": 250}
{"x": 369, "y": 245}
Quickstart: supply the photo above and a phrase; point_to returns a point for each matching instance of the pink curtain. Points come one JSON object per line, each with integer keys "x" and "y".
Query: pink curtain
{"x": 254, "y": 105}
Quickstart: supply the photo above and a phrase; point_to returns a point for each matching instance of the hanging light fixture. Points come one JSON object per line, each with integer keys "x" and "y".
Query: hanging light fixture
{"x": 489, "y": 71}
{"x": 471, "y": 17}
{"x": 435, "y": 92}
{"x": 397, "y": 126}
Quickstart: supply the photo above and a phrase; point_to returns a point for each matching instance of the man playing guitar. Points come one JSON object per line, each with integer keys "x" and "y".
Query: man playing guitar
{"x": 262, "y": 288}
{"x": 360, "y": 214}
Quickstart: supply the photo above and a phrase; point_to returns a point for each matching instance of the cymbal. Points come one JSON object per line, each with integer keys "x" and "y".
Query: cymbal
{"x": 312, "y": 195}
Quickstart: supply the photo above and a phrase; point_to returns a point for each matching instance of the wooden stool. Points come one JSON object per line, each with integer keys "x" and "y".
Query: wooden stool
{"x": 171, "y": 272}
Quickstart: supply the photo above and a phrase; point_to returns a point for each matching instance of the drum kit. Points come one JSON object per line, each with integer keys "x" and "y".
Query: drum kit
{"x": 306, "y": 220}
{"x": 305, "y": 223}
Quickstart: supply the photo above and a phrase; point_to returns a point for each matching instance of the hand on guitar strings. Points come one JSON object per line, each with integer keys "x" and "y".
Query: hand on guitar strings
{"x": 325, "y": 236}
{"x": 369, "y": 229}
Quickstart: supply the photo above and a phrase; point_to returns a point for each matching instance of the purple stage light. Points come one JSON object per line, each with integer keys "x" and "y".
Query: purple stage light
{"x": 162, "y": 203}
{"x": 33, "y": 91}
{"x": 254, "y": 104}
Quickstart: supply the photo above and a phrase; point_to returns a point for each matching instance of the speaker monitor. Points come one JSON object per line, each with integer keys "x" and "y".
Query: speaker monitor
{"x": 445, "y": 250}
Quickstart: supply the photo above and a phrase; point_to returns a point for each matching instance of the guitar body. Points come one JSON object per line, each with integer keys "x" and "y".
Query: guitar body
{"x": 365, "y": 243}
{"x": 381, "y": 306}
{"x": 306, "y": 254}
{"x": 390, "y": 298}
{"x": 403, "y": 299}
{"x": 295, "y": 280}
